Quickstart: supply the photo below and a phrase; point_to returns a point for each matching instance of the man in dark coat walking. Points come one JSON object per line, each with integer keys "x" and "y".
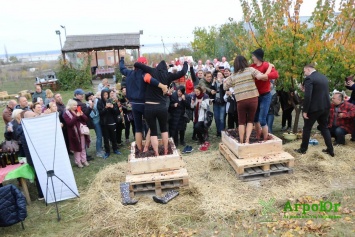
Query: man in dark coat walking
{"x": 315, "y": 108}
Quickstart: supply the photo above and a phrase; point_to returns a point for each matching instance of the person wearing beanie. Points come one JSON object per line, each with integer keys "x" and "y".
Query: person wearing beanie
{"x": 136, "y": 87}
{"x": 263, "y": 87}
{"x": 179, "y": 102}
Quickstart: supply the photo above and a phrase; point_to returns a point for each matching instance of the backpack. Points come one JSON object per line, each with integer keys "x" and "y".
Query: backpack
{"x": 208, "y": 117}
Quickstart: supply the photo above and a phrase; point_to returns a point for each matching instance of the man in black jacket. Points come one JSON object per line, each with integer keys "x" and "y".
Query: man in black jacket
{"x": 316, "y": 107}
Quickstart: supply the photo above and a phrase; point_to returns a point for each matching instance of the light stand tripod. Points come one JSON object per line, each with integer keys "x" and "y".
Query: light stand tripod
{"x": 50, "y": 174}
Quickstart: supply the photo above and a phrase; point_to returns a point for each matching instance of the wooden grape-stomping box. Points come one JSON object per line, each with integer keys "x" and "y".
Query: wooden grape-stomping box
{"x": 155, "y": 163}
{"x": 262, "y": 163}
{"x": 243, "y": 151}
{"x": 157, "y": 181}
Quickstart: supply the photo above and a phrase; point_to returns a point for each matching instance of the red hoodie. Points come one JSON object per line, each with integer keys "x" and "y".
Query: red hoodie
{"x": 189, "y": 85}
{"x": 264, "y": 86}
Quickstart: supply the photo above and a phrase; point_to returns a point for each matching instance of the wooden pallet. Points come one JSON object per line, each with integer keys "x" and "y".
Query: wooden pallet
{"x": 157, "y": 181}
{"x": 256, "y": 173}
{"x": 263, "y": 166}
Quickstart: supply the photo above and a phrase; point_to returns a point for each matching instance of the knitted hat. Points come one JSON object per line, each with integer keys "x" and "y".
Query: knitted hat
{"x": 259, "y": 54}
{"x": 142, "y": 60}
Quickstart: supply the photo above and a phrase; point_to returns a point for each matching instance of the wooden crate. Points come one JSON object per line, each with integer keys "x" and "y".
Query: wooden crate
{"x": 243, "y": 151}
{"x": 264, "y": 166}
{"x": 155, "y": 163}
{"x": 157, "y": 181}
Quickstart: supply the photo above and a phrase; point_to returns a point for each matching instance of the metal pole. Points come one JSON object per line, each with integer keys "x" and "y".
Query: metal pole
{"x": 60, "y": 40}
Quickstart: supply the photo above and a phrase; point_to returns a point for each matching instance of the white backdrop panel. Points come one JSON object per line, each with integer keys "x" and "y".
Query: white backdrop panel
{"x": 48, "y": 151}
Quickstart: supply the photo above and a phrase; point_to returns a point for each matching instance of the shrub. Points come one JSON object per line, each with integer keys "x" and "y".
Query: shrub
{"x": 70, "y": 78}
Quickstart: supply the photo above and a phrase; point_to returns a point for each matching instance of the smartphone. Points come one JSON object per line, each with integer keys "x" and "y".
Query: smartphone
{"x": 79, "y": 108}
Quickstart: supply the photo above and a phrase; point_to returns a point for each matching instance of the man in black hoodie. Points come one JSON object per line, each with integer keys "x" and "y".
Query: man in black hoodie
{"x": 155, "y": 102}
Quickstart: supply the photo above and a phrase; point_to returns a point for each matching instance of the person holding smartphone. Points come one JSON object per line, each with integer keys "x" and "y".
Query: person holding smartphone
{"x": 108, "y": 119}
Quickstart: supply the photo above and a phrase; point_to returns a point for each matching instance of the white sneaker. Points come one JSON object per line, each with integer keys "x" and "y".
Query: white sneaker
{"x": 86, "y": 163}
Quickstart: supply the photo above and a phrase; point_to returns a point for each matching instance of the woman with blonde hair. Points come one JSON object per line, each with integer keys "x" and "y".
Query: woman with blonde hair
{"x": 74, "y": 117}
{"x": 49, "y": 97}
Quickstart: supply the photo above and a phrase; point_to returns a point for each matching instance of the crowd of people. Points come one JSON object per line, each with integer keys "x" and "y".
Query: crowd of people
{"x": 149, "y": 100}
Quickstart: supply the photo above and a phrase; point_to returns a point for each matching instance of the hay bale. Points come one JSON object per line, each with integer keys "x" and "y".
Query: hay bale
{"x": 214, "y": 192}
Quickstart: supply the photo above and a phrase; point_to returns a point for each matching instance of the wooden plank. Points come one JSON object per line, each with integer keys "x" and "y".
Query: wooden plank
{"x": 264, "y": 175}
{"x": 265, "y": 167}
{"x": 282, "y": 157}
{"x": 258, "y": 170}
{"x": 249, "y": 171}
{"x": 231, "y": 158}
{"x": 156, "y": 163}
{"x": 279, "y": 166}
{"x": 273, "y": 167}
{"x": 246, "y": 151}
{"x": 159, "y": 176}
{"x": 25, "y": 190}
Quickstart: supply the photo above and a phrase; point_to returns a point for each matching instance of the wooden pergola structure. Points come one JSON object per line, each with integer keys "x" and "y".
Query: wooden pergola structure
{"x": 101, "y": 42}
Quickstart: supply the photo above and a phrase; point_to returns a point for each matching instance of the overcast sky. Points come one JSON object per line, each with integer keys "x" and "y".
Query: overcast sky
{"x": 30, "y": 25}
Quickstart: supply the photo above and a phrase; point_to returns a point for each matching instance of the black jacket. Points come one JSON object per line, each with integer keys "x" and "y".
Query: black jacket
{"x": 12, "y": 206}
{"x": 155, "y": 94}
{"x": 107, "y": 115}
{"x": 316, "y": 94}
{"x": 218, "y": 100}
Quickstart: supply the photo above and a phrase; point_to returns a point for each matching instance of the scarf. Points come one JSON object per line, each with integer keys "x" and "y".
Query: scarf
{"x": 197, "y": 107}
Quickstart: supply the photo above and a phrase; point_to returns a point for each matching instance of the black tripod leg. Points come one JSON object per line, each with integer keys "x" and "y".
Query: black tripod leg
{"x": 47, "y": 191}
{"x": 55, "y": 200}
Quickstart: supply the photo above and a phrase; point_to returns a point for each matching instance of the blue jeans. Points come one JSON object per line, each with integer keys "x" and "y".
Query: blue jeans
{"x": 219, "y": 111}
{"x": 263, "y": 109}
{"x": 270, "y": 121}
{"x": 339, "y": 134}
{"x": 98, "y": 133}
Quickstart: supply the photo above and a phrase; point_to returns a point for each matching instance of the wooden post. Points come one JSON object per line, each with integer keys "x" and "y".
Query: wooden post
{"x": 25, "y": 190}
{"x": 63, "y": 55}
{"x": 97, "y": 64}
{"x": 114, "y": 56}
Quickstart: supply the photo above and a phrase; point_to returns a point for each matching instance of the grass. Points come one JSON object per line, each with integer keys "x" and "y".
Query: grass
{"x": 41, "y": 220}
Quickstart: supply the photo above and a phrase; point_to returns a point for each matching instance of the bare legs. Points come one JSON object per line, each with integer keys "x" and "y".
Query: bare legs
{"x": 165, "y": 137}
{"x": 241, "y": 130}
{"x": 249, "y": 130}
{"x": 261, "y": 130}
